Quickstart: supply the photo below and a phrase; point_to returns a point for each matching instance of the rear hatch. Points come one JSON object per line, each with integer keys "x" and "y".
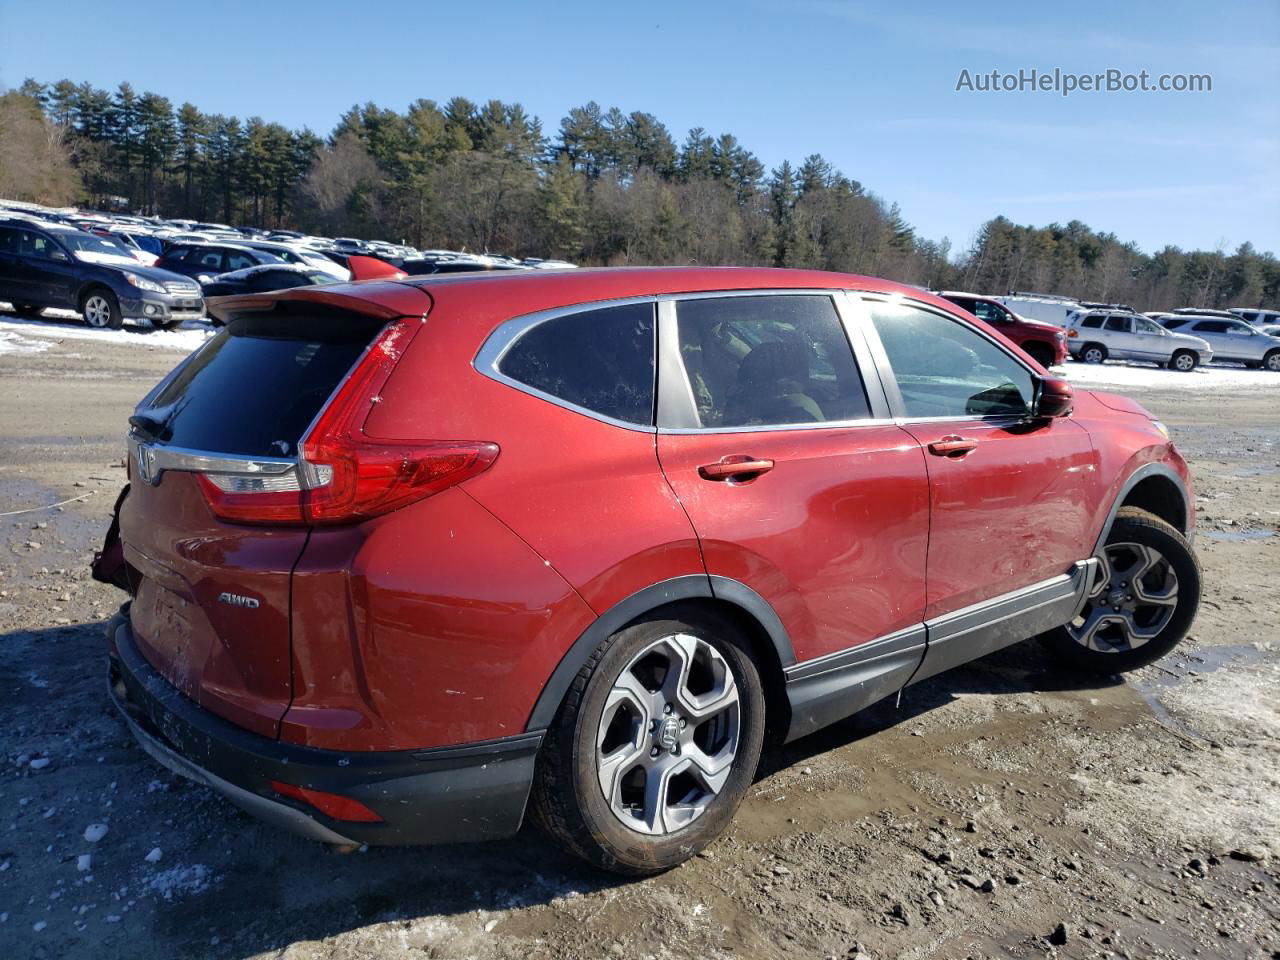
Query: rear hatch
{"x": 211, "y": 608}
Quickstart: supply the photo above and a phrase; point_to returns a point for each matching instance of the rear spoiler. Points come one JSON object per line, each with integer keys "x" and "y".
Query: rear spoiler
{"x": 382, "y": 299}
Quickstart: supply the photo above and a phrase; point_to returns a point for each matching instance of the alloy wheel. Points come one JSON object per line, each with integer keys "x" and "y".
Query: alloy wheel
{"x": 668, "y": 734}
{"x": 1093, "y": 355}
{"x": 1273, "y": 363}
{"x": 97, "y": 311}
{"x": 1184, "y": 362}
{"x": 1134, "y": 599}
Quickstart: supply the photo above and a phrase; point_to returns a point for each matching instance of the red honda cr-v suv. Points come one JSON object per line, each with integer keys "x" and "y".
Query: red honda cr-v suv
{"x": 406, "y": 556}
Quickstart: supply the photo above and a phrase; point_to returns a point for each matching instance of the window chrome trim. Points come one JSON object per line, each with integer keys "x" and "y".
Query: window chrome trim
{"x": 506, "y": 334}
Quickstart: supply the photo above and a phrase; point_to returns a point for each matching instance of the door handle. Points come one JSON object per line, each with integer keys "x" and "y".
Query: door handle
{"x": 740, "y": 466}
{"x": 954, "y": 447}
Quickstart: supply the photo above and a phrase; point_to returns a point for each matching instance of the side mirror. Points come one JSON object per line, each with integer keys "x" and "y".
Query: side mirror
{"x": 1055, "y": 399}
{"x": 58, "y": 255}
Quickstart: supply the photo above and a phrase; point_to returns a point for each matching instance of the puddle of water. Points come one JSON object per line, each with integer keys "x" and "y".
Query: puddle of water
{"x": 1181, "y": 666}
{"x": 1236, "y": 536}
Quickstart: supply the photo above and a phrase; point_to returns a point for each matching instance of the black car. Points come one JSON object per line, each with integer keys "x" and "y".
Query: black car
{"x": 204, "y": 261}
{"x": 44, "y": 266}
{"x": 263, "y": 278}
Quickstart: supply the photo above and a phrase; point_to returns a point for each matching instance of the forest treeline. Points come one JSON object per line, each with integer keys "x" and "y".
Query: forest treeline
{"x": 604, "y": 187}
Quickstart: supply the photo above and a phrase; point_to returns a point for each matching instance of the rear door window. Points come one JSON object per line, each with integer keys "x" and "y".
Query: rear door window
{"x": 238, "y": 260}
{"x": 769, "y": 361}
{"x": 256, "y": 386}
{"x": 1118, "y": 324}
{"x": 599, "y": 360}
{"x": 1211, "y": 326}
{"x": 1093, "y": 321}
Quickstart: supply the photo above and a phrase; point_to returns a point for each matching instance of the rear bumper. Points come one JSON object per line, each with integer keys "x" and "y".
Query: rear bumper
{"x": 471, "y": 792}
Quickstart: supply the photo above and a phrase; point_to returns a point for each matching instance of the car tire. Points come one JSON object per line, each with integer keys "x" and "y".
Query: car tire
{"x": 28, "y": 310}
{"x": 1039, "y": 352}
{"x": 1093, "y": 353}
{"x": 1272, "y": 361}
{"x": 1184, "y": 361}
{"x": 1128, "y": 623}
{"x": 101, "y": 309}
{"x": 623, "y": 728}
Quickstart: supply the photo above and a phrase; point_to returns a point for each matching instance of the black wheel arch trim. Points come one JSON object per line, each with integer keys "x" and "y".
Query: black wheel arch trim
{"x": 1145, "y": 472}
{"x": 693, "y": 586}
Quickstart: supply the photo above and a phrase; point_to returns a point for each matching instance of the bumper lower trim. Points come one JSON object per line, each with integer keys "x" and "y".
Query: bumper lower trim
{"x": 469, "y": 792}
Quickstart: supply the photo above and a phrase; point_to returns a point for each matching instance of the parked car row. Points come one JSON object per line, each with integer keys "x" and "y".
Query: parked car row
{"x": 1050, "y": 328}
{"x": 110, "y": 267}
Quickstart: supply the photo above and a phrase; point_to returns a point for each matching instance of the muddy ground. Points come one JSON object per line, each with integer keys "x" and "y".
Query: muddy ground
{"x": 1002, "y": 810}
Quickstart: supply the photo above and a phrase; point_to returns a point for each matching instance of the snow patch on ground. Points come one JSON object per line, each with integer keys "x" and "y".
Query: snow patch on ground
{"x": 11, "y": 342}
{"x": 1202, "y": 379}
{"x": 181, "y": 881}
{"x": 18, "y": 335}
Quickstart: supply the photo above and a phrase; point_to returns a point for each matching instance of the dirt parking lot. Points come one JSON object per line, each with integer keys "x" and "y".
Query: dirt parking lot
{"x": 1002, "y": 810}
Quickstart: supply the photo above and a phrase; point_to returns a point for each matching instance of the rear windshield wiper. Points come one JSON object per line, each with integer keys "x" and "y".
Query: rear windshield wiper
{"x": 151, "y": 427}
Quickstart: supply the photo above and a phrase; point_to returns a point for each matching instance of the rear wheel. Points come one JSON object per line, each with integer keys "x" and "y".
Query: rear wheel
{"x": 655, "y": 745}
{"x": 1147, "y": 594}
{"x": 1184, "y": 361}
{"x": 1093, "y": 353}
{"x": 101, "y": 309}
{"x": 1272, "y": 361}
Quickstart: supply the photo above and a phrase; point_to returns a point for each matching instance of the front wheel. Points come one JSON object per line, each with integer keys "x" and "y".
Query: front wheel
{"x": 1143, "y": 603}
{"x": 655, "y": 745}
{"x": 101, "y": 309}
{"x": 1184, "y": 361}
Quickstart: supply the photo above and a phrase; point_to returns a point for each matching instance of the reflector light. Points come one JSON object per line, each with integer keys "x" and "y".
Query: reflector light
{"x": 332, "y": 805}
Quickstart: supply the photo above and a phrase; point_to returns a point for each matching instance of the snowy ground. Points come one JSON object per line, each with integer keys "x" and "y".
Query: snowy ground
{"x": 1148, "y": 376}
{"x": 1003, "y": 810}
{"x": 19, "y": 335}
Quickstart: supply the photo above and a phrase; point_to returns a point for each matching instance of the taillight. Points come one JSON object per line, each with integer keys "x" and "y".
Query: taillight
{"x": 343, "y": 475}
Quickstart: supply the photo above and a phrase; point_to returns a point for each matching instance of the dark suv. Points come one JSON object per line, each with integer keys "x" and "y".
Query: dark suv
{"x": 47, "y": 266}
{"x": 581, "y": 539}
{"x": 204, "y": 261}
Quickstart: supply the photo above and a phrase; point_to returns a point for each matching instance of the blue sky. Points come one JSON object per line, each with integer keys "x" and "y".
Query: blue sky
{"x": 870, "y": 87}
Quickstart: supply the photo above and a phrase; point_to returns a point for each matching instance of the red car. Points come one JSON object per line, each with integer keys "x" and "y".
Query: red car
{"x": 405, "y": 556}
{"x": 1042, "y": 342}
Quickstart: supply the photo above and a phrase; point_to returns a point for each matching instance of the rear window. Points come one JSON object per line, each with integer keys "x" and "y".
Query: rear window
{"x": 256, "y": 386}
{"x": 600, "y": 360}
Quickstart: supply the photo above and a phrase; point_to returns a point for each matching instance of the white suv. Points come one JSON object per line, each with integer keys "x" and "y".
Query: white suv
{"x": 1097, "y": 335}
{"x": 1232, "y": 340}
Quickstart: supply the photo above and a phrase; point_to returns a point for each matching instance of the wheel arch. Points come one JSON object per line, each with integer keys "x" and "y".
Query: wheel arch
{"x": 88, "y": 286}
{"x": 770, "y": 643}
{"x": 1156, "y": 488}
